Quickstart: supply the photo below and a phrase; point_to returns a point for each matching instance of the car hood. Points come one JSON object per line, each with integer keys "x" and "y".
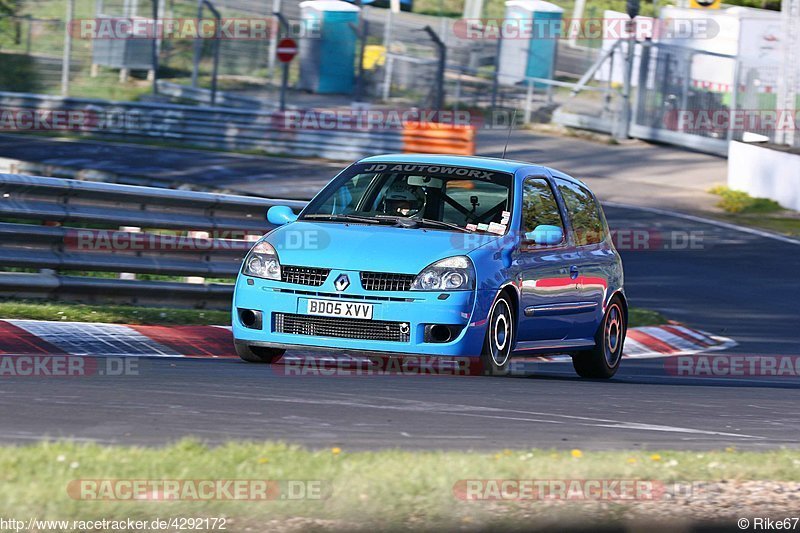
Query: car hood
{"x": 369, "y": 247}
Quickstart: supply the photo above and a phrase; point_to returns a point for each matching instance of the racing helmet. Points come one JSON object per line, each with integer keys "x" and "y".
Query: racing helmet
{"x": 403, "y": 200}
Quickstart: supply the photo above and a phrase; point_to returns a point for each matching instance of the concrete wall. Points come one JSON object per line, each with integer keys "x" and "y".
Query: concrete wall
{"x": 765, "y": 173}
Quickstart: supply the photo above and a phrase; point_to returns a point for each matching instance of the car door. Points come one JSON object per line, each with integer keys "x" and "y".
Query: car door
{"x": 547, "y": 287}
{"x": 594, "y": 259}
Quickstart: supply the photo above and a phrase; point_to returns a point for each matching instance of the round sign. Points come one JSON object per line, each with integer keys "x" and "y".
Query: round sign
{"x": 287, "y": 49}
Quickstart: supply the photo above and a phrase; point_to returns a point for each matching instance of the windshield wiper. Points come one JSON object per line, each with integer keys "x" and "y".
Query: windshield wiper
{"x": 410, "y": 222}
{"x": 441, "y": 224}
{"x": 342, "y": 218}
{"x": 405, "y": 222}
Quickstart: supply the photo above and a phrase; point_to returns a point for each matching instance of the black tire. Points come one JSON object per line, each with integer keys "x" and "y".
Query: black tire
{"x": 500, "y": 330}
{"x": 258, "y": 354}
{"x": 602, "y": 362}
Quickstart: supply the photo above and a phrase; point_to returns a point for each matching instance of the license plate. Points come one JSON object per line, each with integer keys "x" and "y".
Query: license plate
{"x": 340, "y": 309}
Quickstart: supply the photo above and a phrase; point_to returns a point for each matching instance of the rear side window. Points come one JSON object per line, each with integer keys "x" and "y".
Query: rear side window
{"x": 584, "y": 213}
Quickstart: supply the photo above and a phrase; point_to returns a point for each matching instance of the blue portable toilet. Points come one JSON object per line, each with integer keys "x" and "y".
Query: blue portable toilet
{"x": 328, "y": 59}
{"x": 529, "y": 45}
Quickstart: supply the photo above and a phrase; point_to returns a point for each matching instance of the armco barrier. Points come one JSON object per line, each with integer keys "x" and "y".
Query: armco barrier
{"x": 71, "y": 239}
{"x": 225, "y": 128}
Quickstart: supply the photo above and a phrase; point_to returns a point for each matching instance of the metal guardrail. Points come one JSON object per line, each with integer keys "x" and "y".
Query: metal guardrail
{"x": 216, "y": 127}
{"x": 294, "y": 132}
{"x": 78, "y": 237}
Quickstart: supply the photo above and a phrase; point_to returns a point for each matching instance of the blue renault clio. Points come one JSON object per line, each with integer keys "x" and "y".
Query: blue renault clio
{"x": 465, "y": 257}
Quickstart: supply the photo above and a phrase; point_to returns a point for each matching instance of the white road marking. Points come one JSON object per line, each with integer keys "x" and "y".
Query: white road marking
{"x": 404, "y": 404}
{"x": 407, "y": 435}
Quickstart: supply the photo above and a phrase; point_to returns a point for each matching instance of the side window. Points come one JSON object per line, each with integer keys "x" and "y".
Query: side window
{"x": 584, "y": 213}
{"x": 539, "y": 206}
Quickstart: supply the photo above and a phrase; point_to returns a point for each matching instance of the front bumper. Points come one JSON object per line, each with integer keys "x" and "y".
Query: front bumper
{"x": 465, "y": 309}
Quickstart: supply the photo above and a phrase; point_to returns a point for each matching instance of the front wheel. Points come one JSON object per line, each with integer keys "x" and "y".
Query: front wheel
{"x": 602, "y": 361}
{"x": 500, "y": 331}
{"x": 258, "y": 354}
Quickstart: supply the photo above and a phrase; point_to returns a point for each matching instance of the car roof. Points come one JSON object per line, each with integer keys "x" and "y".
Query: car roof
{"x": 486, "y": 163}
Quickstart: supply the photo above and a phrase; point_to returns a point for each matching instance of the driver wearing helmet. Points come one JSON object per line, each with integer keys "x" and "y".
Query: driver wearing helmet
{"x": 403, "y": 200}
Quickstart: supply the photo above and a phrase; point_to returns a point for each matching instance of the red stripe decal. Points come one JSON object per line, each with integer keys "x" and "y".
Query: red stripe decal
{"x": 651, "y": 342}
{"x": 17, "y": 341}
{"x": 682, "y": 334}
{"x": 192, "y": 341}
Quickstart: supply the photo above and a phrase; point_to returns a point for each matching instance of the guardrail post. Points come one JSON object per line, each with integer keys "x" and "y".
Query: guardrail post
{"x": 194, "y": 236}
{"x": 129, "y": 229}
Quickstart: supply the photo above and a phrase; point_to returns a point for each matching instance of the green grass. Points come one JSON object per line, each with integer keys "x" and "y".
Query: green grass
{"x": 363, "y": 489}
{"x": 741, "y": 208}
{"x": 106, "y": 86}
{"x": 111, "y": 314}
{"x": 638, "y": 317}
{"x": 126, "y": 314}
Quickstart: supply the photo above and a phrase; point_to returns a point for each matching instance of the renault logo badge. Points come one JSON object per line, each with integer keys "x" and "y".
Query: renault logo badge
{"x": 342, "y": 282}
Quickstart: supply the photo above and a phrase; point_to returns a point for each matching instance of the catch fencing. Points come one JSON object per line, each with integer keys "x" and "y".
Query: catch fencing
{"x": 100, "y": 242}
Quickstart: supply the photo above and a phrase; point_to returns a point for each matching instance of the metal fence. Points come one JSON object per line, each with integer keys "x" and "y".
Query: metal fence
{"x": 673, "y": 95}
{"x": 98, "y": 242}
{"x": 216, "y": 127}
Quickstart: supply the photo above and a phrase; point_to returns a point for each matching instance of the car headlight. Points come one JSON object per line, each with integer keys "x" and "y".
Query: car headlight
{"x": 451, "y": 274}
{"x": 262, "y": 262}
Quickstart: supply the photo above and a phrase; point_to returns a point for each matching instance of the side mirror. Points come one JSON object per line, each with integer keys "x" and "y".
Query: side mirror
{"x": 280, "y": 215}
{"x": 546, "y": 235}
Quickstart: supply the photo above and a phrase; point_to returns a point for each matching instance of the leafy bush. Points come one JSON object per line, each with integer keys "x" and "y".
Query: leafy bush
{"x": 734, "y": 201}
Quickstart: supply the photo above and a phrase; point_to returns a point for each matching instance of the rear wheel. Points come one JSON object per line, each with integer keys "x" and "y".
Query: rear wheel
{"x": 602, "y": 362}
{"x": 500, "y": 331}
{"x": 258, "y": 354}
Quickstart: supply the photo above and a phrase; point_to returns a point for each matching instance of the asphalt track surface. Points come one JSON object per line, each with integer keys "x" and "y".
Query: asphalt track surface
{"x": 735, "y": 284}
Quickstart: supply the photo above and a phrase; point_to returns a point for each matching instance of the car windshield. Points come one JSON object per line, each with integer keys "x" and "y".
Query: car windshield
{"x": 444, "y": 197}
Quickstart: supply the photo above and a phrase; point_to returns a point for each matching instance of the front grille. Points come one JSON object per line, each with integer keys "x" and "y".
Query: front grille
{"x": 384, "y": 281}
{"x": 346, "y": 296}
{"x": 313, "y": 277}
{"x": 343, "y": 328}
